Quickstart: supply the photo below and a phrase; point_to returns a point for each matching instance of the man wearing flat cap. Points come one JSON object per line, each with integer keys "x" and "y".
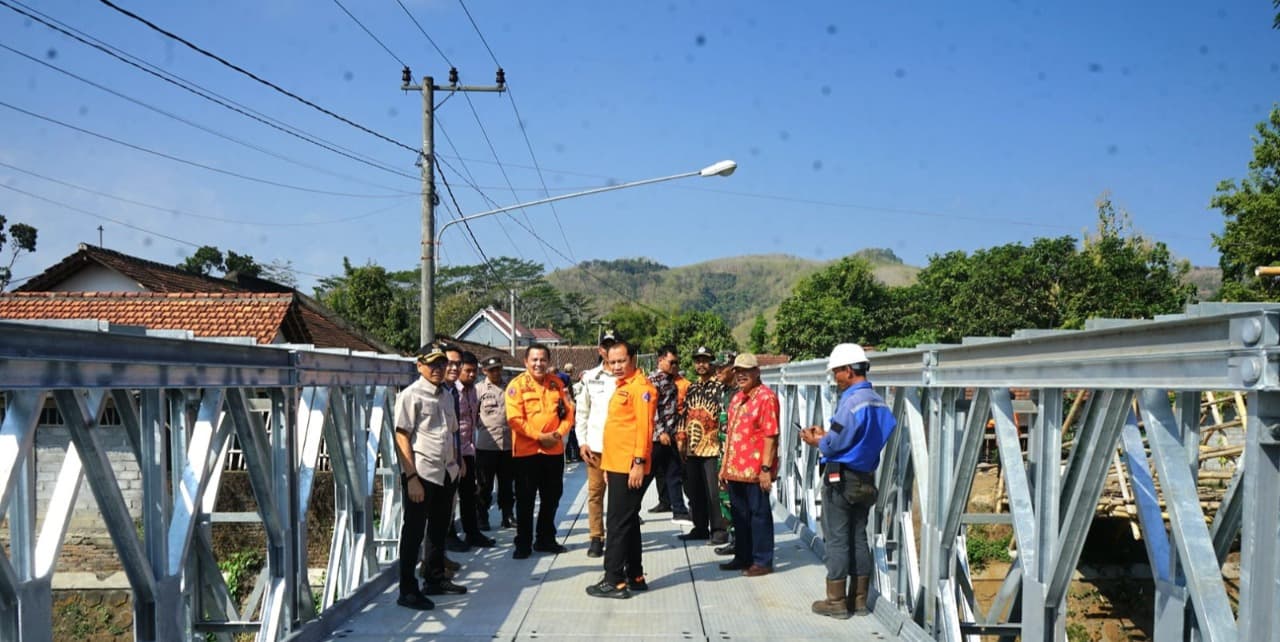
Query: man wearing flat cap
{"x": 426, "y": 424}
{"x": 748, "y": 468}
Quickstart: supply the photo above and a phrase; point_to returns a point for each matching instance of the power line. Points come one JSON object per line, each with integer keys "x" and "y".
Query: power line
{"x": 192, "y": 163}
{"x": 477, "y": 28}
{"x": 117, "y": 222}
{"x": 468, "y": 175}
{"x": 584, "y": 270}
{"x": 170, "y": 210}
{"x": 366, "y": 30}
{"x": 424, "y": 34}
{"x": 250, "y": 74}
{"x": 196, "y": 125}
{"x": 195, "y": 88}
{"x": 493, "y": 150}
{"x": 523, "y": 131}
{"x": 99, "y": 216}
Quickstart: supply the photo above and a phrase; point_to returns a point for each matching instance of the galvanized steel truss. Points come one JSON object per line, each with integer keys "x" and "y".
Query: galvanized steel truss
{"x": 180, "y": 402}
{"x": 945, "y": 397}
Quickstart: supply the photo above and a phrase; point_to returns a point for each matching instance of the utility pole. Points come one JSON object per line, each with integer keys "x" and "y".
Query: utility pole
{"x": 426, "y": 307}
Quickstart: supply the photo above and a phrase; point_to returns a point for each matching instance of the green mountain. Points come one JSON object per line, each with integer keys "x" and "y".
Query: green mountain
{"x": 736, "y": 288}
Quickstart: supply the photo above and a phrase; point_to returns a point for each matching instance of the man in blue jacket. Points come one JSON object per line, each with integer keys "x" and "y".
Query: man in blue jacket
{"x": 850, "y": 455}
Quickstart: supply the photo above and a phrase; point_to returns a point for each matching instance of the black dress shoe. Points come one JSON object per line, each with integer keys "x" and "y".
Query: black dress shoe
{"x": 552, "y": 547}
{"x": 596, "y": 549}
{"x": 443, "y": 587}
{"x": 638, "y": 584}
{"x": 521, "y": 554}
{"x": 693, "y": 535}
{"x": 480, "y": 541}
{"x": 416, "y": 601}
{"x": 455, "y": 544}
{"x": 727, "y": 549}
{"x": 735, "y": 565}
{"x": 660, "y": 508}
{"x": 508, "y": 521}
{"x": 608, "y": 589}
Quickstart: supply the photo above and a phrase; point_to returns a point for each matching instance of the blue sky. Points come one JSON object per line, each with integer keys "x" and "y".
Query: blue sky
{"x": 921, "y": 127}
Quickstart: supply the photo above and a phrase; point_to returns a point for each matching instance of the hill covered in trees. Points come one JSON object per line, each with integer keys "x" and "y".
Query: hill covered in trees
{"x": 735, "y": 288}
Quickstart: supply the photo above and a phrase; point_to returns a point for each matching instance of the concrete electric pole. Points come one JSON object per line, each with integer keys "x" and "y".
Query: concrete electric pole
{"x": 426, "y": 308}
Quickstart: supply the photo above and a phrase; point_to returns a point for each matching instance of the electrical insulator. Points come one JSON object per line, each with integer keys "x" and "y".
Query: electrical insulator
{"x": 453, "y": 75}
{"x": 406, "y": 75}
{"x": 502, "y": 77}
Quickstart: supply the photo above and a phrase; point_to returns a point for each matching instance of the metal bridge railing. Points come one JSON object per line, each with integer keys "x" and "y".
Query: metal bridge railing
{"x": 1143, "y": 379}
{"x": 180, "y": 401}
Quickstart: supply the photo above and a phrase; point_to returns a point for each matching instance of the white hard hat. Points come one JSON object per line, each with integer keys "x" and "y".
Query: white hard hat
{"x": 846, "y": 354}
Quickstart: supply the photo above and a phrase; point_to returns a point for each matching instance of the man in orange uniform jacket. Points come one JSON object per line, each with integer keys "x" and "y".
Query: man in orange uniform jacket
{"x": 540, "y": 415}
{"x": 628, "y": 442}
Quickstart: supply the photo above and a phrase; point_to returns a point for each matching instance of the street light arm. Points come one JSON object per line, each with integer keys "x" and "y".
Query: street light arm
{"x": 562, "y": 197}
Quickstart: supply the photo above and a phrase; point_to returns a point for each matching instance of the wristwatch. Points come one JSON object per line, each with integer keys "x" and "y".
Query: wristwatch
{"x": 638, "y": 461}
{"x": 766, "y": 468}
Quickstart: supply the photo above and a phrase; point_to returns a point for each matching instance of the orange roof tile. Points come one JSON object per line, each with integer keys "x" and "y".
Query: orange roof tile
{"x": 212, "y": 314}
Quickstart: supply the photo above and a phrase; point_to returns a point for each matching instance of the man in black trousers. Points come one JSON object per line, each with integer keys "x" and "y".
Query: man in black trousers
{"x": 426, "y": 426}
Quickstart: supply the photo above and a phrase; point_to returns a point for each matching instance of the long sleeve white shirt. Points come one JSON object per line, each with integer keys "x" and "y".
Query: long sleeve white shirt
{"x": 593, "y": 406}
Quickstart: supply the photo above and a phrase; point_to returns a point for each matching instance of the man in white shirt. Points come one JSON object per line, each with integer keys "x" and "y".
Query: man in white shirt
{"x": 594, "y": 390}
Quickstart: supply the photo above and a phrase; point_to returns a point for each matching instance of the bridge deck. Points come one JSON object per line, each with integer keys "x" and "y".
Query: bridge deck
{"x": 543, "y": 598}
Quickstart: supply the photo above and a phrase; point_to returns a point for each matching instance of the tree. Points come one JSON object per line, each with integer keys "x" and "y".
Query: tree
{"x": 688, "y": 330}
{"x": 1120, "y": 274}
{"x": 759, "y": 339}
{"x": 21, "y": 238}
{"x": 281, "y": 272}
{"x": 842, "y": 303}
{"x": 1251, "y": 234}
{"x": 208, "y": 258}
{"x": 372, "y": 300}
{"x": 636, "y": 325}
{"x": 204, "y": 261}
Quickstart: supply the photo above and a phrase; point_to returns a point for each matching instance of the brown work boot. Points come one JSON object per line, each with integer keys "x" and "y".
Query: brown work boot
{"x": 834, "y": 606}
{"x": 858, "y": 595}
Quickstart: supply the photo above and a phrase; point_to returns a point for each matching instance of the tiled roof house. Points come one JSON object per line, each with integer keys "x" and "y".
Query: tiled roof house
{"x": 97, "y": 283}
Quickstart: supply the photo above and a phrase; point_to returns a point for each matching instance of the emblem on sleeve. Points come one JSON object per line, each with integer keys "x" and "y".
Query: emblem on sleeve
{"x": 511, "y": 392}
{"x": 647, "y": 397}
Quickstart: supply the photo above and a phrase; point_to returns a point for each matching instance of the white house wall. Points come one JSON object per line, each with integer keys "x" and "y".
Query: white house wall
{"x": 95, "y": 278}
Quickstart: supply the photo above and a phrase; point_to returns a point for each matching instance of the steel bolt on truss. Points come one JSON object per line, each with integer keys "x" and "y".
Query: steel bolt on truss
{"x": 946, "y": 396}
{"x": 180, "y": 402}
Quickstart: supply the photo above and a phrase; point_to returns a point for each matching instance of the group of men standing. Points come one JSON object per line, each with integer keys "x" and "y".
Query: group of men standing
{"x": 456, "y": 439}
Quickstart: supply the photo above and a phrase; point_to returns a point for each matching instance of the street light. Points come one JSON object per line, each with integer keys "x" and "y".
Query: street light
{"x": 428, "y": 312}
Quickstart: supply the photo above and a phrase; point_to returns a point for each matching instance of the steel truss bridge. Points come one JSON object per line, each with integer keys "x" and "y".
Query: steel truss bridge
{"x": 1143, "y": 382}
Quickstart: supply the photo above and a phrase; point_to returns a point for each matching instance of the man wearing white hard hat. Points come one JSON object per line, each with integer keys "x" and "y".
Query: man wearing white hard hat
{"x": 850, "y": 451}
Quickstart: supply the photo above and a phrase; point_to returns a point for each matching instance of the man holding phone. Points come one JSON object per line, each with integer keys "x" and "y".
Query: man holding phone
{"x": 850, "y": 455}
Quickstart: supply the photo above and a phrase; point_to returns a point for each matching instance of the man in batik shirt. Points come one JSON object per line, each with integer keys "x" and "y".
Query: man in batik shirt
{"x": 699, "y": 438}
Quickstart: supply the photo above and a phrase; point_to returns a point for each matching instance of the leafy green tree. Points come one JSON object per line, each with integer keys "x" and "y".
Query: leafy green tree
{"x": 759, "y": 338}
{"x": 21, "y": 238}
{"x": 1120, "y": 274}
{"x": 370, "y": 298}
{"x": 843, "y": 302}
{"x": 688, "y": 330}
{"x": 204, "y": 261}
{"x": 637, "y": 325}
{"x": 1251, "y": 234}
{"x": 208, "y": 258}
